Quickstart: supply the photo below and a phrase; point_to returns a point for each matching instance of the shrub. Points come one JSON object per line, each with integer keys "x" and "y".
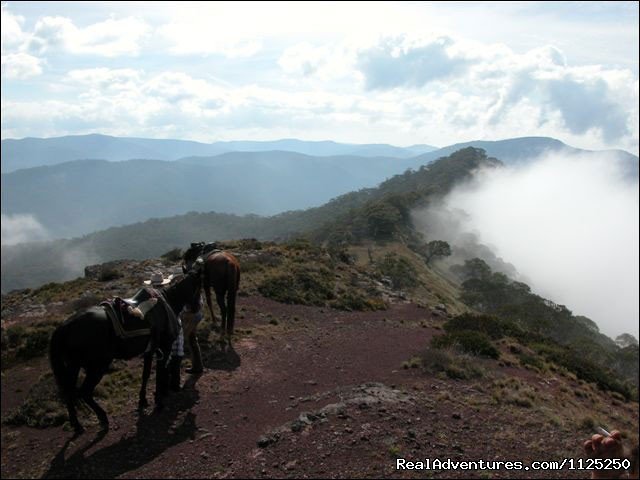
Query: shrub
{"x": 26, "y": 342}
{"x": 304, "y": 285}
{"x": 401, "y": 272}
{"x": 250, "y": 244}
{"x": 36, "y": 343}
{"x": 15, "y": 333}
{"x": 583, "y": 368}
{"x": 350, "y": 301}
{"x": 174, "y": 255}
{"x": 109, "y": 273}
{"x": 494, "y": 327}
{"x": 475, "y": 343}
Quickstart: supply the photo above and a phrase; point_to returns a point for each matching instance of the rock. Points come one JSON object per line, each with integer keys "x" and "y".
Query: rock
{"x": 297, "y": 426}
{"x": 264, "y": 441}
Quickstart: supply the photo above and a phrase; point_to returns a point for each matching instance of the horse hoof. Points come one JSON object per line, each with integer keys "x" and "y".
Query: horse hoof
{"x": 78, "y": 430}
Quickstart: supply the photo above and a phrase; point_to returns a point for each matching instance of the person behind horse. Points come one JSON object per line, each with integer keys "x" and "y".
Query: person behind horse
{"x": 191, "y": 315}
{"x": 157, "y": 280}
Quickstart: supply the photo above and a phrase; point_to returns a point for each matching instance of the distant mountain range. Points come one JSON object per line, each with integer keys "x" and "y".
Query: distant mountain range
{"x": 81, "y": 196}
{"x": 31, "y": 264}
{"x": 35, "y": 152}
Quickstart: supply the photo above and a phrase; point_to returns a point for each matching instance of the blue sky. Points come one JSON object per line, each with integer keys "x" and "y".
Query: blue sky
{"x": 400, "y": 73}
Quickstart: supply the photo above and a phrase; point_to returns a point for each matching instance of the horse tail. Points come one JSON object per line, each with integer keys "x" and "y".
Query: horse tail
{"x": 206, "y": 286}
{"x": 233, "y": 276}
{"x": 59, "y": 365}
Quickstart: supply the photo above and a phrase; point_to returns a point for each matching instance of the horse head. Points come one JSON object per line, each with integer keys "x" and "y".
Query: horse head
{"x": 191, "y": 255}
{"x": 197, "y": 249}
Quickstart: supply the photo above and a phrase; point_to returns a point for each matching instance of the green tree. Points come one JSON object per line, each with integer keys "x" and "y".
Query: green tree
{"x": 437, "y": 248}
{"x": 382, "y": 219}
{"x": 626, "y": 340}
{"x": 476, "y": 268}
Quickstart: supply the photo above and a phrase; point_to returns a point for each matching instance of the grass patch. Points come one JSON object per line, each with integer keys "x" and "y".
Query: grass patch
{"x": 414, "y": 362}
{"x": 450, "y": 363}
{"x": 41, "y": 408}
{"x": 21, "y": 342}
{"x": 511, "y": 391}
{"x": 54, "y": 292}
{"x": 529, "y": 360}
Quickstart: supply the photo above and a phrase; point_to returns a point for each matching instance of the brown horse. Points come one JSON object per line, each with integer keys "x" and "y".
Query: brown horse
{"x": 222, "y": 273}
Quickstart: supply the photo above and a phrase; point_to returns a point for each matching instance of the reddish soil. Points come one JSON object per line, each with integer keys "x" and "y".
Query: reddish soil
{"x": 303, "y": 361}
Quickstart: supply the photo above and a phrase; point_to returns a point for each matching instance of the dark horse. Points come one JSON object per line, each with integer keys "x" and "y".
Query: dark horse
{"x": 222, "y": 272}
{"x": 88, "y": 340}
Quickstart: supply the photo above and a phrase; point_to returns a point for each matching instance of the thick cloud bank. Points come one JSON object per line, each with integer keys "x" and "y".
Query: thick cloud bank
{"x": 569, "y": 225}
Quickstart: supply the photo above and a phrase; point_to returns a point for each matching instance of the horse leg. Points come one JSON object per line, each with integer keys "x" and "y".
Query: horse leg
{"x": 162, "y": 382}
{"x": 231, "y": 312}
{"x": 207, "y": 293}
{"x": 224, "y": 325}
{"x": 70, "y": 398}
{"x": 146, "y": 373}
{"x": 86, "y": 392}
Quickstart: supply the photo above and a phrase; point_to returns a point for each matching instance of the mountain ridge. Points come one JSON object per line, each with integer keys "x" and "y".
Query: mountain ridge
{"x": 260, "y": 182}
{"x": 33, "y": 151}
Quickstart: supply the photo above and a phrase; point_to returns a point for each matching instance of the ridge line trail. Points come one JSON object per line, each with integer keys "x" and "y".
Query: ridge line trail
{"x": 311, "y": 351}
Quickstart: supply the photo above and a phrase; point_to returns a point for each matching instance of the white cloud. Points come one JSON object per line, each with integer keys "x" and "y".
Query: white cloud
{"x": 400, "y": 61}
{"x": 22, "y": 228}
{"x": 477, "y": 90}
{"x": 303, "y": 59}
{"x": 12, "y": 34}
{"x": 109, "y": 38}
{"x": 570, "y": 226}
{"x": 20, "y": 66}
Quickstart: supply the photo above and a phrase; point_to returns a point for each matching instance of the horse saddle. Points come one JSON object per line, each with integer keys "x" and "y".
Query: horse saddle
{"x": 128, "y": 315}
{"x": 206, "y": 249}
